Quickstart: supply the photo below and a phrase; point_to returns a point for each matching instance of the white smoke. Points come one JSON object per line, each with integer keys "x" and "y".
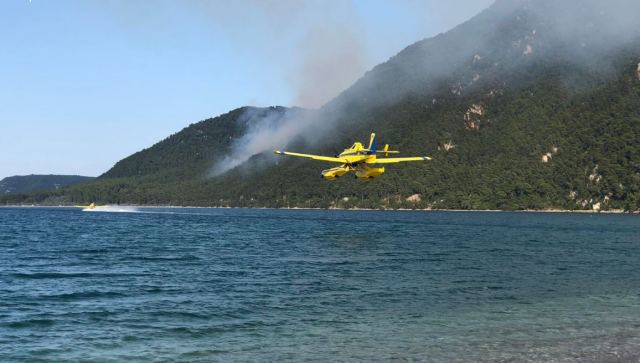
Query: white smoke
{"x": 333, "y": 55}
{"x": 267, "y": 130}
{"x": 331, "y": 59}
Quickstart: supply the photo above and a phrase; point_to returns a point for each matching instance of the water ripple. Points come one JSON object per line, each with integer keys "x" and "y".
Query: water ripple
{"x": 267, "y": 285}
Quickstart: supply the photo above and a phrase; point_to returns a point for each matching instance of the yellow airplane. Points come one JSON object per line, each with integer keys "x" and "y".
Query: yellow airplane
{"x": 90, "y": 206}
{"x": 357, "y": 159}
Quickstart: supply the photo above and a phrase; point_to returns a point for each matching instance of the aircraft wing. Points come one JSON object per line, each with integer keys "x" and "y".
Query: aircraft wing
{"x": 400, "y": 160}
{"x": 314, "y": 157}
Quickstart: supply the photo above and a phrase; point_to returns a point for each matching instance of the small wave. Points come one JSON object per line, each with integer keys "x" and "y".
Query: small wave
{"x": 91, "y": 250}
{"x": 112, "y": 209}
{"x": 164, "y": 258}
{"x": 84, "y": 295}
{"x": 30, "y": 323}
{"x": 179, "y": 315}
{"x": 207, "y": 353}
{"x": 133, "y": 338}
{"x": 60, "y": 275}
{"x": 197, "y": 332}
{"x": 249, "y": 327}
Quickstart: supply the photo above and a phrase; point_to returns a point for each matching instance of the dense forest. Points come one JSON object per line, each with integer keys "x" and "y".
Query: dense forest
{"x": 515, "y": 117}
{"x": 32, "y": 183}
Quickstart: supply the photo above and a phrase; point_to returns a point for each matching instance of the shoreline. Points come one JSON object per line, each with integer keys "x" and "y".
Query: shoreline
{"x": 577, "y": 211}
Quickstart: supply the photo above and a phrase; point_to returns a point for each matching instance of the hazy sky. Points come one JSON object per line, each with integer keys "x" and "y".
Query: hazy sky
{"x": 85, "y": 83}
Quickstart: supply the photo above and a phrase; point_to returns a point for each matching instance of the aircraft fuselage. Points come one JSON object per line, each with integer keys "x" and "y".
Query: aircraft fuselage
{"x": 357, "y": 158}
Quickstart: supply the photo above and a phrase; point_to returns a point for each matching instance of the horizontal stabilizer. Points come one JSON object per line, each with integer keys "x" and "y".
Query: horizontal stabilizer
{"x": 386, "y": 151}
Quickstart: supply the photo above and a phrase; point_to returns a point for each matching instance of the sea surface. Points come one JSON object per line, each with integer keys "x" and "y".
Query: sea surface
{"x": 202, "y": 285}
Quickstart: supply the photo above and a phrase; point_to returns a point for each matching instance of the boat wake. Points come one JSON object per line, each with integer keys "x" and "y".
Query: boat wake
{"x": 112, "y": 209}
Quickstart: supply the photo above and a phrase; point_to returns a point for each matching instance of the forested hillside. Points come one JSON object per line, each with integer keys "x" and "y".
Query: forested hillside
{"x": 520, "y": 109}
{"x": 31, "y": 183}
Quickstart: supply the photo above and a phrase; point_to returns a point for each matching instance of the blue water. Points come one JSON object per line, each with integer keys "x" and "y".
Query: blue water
{"x": 283, "y": 285}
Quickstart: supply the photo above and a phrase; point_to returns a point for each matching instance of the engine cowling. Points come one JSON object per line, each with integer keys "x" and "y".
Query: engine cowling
{"x": 365, "y": 173}
{"x": 333, "y": 173}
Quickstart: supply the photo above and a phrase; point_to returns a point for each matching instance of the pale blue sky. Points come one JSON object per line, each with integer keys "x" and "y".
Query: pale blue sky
{"x": 84, "y": 83}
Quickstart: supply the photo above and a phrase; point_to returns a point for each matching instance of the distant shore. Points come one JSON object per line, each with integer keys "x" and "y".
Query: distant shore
{"x": 590, "y": 211}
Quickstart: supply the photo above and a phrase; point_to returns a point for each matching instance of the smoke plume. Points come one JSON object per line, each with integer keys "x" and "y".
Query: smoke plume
{"x": 267, "y": 129}
{"x": 332, "y": 58}
{"x": 510, "y": 35}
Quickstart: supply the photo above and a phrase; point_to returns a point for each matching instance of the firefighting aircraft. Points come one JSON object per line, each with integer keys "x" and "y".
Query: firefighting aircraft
{"x": 90, "y": 206}
{"x": 357, "y": 159}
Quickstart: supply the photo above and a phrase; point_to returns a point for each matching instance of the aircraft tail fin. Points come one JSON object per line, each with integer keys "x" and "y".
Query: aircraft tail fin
{"x": 373, "y": 144}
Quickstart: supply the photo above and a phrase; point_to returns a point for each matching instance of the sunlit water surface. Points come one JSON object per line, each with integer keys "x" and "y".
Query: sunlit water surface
{"x": 282, "y": 285}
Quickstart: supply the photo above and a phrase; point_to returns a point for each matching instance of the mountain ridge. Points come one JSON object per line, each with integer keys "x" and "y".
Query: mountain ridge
{"x": 520, "y": 110}
{"x": 38, "y": 182}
